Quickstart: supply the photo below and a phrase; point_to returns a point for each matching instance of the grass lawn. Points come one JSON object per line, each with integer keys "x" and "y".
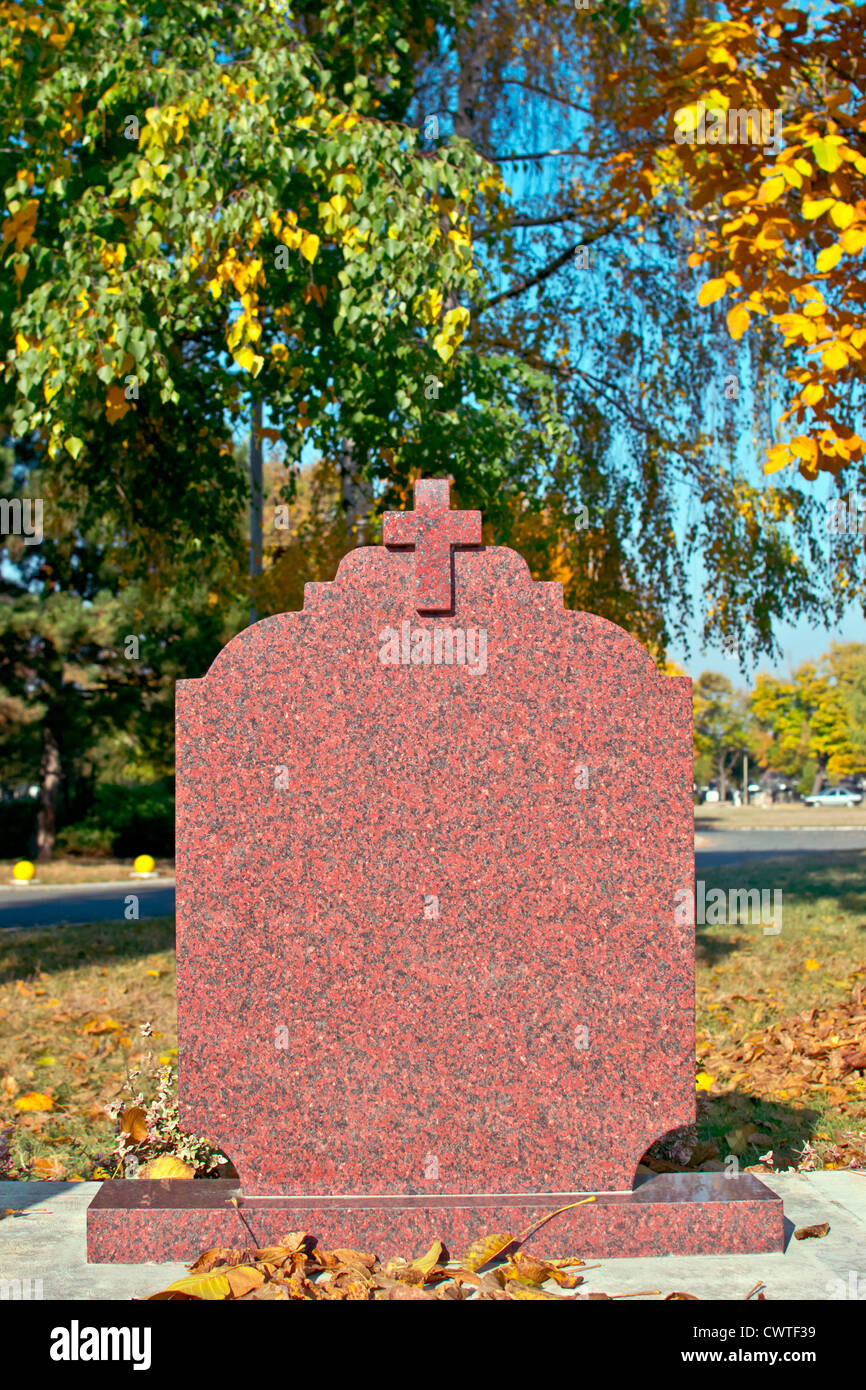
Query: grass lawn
{"x": 781, "y": 1042}
{"x": 80, "y": 870}
{"x": 789, "y": 815}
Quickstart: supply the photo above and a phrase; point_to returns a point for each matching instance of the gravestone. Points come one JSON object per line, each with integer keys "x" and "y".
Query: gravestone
{"x": 433, "y": 837}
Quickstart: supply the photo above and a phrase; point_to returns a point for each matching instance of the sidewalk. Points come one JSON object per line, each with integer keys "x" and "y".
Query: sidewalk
{"x": 47, "y": 1242}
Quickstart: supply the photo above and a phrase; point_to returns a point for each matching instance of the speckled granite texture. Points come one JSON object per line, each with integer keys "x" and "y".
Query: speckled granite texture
{"x": 432, "y": 833}
{"x": 671, "y": 1213}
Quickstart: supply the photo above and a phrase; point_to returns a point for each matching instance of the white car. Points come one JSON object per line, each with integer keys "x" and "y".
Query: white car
{"x": 834, "y": 796}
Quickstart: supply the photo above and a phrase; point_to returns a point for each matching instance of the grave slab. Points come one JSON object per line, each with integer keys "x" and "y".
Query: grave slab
{"x": 434, "y": 839}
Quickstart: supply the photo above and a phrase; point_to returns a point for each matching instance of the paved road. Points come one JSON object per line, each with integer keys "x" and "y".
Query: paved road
{"x": 105, "y": 902}
{"x": 735, "y": 846}
{"x": 84, "y": 902}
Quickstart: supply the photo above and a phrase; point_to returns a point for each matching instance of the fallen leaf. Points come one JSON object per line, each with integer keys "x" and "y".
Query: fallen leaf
{"x": 166, "y": 1166}
{"x": 531, "y": 1270}
{"x": 264, "y": 1293}
{"x": 49, "y": 1168}
{"x": 209, "y": 1287}
{"x": 34, "y": 1100}
{"x": 243, "y": 1279}
{"x": 487, "y": 1248}
{"x": 522, "y": 1291}
{"x": 807, "y": 1232}
{"x": 134, "y": 1123}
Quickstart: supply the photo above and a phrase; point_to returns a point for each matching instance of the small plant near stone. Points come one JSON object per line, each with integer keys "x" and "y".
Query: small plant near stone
{"x": 150, "y": 1142}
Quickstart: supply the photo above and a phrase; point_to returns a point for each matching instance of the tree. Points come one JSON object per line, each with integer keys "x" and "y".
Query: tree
{"x": 720, "y": 724}
{"x": 587, "y": 279}
{"x": 92, "y": 642}
{"x": 753, "y": 120}
{"x": 809, "y": 716}
{"x": 202, "y": 214}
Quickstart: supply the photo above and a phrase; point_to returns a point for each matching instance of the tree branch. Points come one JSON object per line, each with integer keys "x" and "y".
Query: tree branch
{"x": 550, "y": 269}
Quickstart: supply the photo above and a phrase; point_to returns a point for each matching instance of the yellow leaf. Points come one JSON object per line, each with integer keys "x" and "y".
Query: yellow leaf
{"x": 737, "y": 320}
{"x": 737, "y": 1141}
{"x": 842, "y": 215}
{"x": 309, "y": 247}
{"x": 522, "y": 1291}
{"x": 204, "y": 1285}
{"x": 235, "y": 332}
{"x": 21, "y": 343}
{"x": 485, "y": 1249}
{"x": 812, "y": 393}
{"x": 804, "y": 447}
{"x": 813, "y": 207}
{"x": 247, "y": 359}
{"x": 834, "y": 358}
{"x": 711, "y": 291}
{"x": 853, "y": 241}
{"x": 777, "y": 457}
{"x": 704, "y": 1081}
{"x": 827, "y": 156}
{"x": 773, "y": 188}
{"x": 166, "y": 1166}
{"x": 828, "y": 258}
{"x": 812, "y": 964}
{"x": 425, "y": 1263}
{"x": 34, "y": 1100}
{"x": 103, "y": 1025}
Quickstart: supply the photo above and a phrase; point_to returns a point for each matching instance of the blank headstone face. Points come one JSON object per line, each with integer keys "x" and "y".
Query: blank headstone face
{"x": 428, "y": 868}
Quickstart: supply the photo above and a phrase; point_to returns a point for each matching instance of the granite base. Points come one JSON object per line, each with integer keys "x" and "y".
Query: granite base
{"x": 140, "y": 1221}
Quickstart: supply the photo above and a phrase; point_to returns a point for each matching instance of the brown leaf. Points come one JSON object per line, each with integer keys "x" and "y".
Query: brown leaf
{"x": 275, "y": 1255}
{"x": 296, "y": 1287}
{"x": 806, "y": 1232}
{"x": 531, "y": 1270}
{"x": 355, "y": 1257}
{"x": 403, "y": 1291}
{"x": 690, "y": 1297}
{"x": 243, "y": 1279}
{"x": 267, "y": 1292}
{"x": 296, "y": 1240}
{"x": 48, "y": 1168}
{"x": 134, "y": 1123}
{"x": 227, "y": 1257}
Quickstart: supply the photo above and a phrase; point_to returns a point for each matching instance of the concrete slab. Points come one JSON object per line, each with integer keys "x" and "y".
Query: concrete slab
{"x": 47, "y": 1242}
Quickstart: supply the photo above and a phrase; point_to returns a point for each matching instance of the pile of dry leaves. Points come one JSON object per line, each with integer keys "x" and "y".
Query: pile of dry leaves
{"x": 297, "y": 1268}
{"x": 816, "y": 1050}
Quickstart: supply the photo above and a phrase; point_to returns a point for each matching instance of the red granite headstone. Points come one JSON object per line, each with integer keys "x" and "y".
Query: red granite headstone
{"x": 431, "y": 833}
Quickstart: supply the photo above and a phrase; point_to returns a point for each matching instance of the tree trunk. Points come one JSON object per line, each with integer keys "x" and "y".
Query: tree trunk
{"x": 723, "y": 778}
{"x": 49, "y": 789}
{"x": 820, "y": 776}
{"x": 255, "y": 504}
{"x": 356, "y": 495}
